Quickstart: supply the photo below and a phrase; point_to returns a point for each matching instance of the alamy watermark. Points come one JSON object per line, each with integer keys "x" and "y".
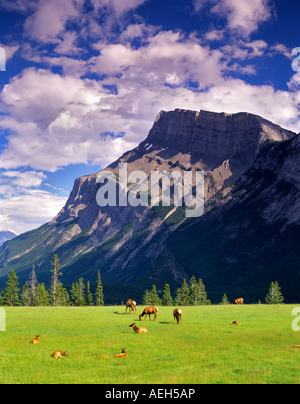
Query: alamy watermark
{"x": 296, "y": 322}
{"x": 295, "y": 63}
{"x": 2, "y": 60}
{"x": 176, "y": 188}
{"x": 2, "y": 320}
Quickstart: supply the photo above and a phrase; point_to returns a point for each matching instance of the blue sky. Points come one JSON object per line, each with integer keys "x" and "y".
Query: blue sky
{"x": 85, "y": 79}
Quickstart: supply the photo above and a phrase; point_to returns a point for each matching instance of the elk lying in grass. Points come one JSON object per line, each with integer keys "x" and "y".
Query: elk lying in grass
{"x": 177, "y": 314}
{"x": 236, "y": 323}
{"x": 121, "y": 355}
{"x": 139, "y": 330}
{"x": 148, "y": 311}
{"x": 35, "y": 341}
{"x": 58, "y": 354}
{"x": 131, "y": 305}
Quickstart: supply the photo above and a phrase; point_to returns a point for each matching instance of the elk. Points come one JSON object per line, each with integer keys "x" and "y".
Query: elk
{"x": 139, "y": 330}
{"x": 35, "y": 341}
{"x": 58, "y": 354}
{"x": 177, "y": 314}
{"x": 239, "y": 301}
{"x": 236, "y": 323}
{"x": 131, "y": 305}
{"x": 148, "y": 311}
{"x": 121, "y": 355}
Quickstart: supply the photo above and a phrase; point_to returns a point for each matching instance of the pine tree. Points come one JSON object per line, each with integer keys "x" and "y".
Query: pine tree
{"x": 25, "y": 295}
{"x": 154, "y": 299}
{"x": 32, "y": 283}
{"x": 203, "y": 295}
{"x": 12, "y": 289}
{"x": 81, "y": 288}
{"x": 41, "y": 297}
{"x": 146, "y": 298}
{"x": 274, "y": 296}
{"x": 62, "y": 296}
{"x": 88, "y": 295}
{"x": 167, "y": 299}
{"x": 182, "y": 298}
{"x": 54, "y": 280}
{"x": 195, "y": 292}
{"x": 99, "y": 295}
{"x": 225, "y": 300}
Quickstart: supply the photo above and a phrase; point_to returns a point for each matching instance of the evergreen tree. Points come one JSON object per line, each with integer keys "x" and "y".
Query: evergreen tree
{"x": 225, "y": 300}
{"x": 62, "y": 296}
{"x": 182, "y": 297}
{"x": 154, "y": 299}
{"x": 25, "y": 295}
{"x": 203, "y": 295}
{"x": 81, "y": 289}
{"x": 167, "y": 299}
{"x": 99, "y": 295}
{"x": 195, "y": 292}
{"x": 146, "y": 298}
{"x": 75, "y": 294}
{"x": 12, "y": 289}
{"x": 274, "y": 296}
{"x": 42, "y": 296}
{"x": 54, "y": 280}
{"x": 32, "y": 283}
{"x": 88, "y": 295}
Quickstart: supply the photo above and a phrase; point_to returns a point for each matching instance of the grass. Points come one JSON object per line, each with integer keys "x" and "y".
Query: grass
{"x": 204, "y": 349}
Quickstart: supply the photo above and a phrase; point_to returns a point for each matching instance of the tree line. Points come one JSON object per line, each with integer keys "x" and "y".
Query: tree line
{"x": 192, "y": 293}
{"x": 36, "y": 294}
{"x": 189, "y": 294}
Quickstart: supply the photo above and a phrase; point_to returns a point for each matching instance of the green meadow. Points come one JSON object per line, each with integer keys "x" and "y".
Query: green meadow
{"x": 205, "y": 348}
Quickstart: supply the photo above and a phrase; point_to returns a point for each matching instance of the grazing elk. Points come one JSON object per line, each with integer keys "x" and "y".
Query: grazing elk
{"x": 58, "y": 354}
{"x": 177, "y": 314}
{"x": 131, "y": 305}
{"x": 121, "y": 355}
{"x": 239, "y": 301}
{"x": 35, "y": 341}
{"x": 148, "y": 311}
{"x": 139, "y": 330}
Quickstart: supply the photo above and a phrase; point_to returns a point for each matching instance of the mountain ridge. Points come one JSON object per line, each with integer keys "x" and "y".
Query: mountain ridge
{"x": 131, "y": 246}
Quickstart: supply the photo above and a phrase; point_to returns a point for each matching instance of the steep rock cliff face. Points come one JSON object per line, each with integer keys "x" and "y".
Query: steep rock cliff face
{"x": 131, "y": 244}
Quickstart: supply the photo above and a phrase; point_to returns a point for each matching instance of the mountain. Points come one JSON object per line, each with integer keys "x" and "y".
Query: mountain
{"x": 246, "y": 238}
{"x": 5, "y": 236}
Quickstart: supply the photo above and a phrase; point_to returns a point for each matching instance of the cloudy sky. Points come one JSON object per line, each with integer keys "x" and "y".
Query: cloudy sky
{"x": 85, "y": 80}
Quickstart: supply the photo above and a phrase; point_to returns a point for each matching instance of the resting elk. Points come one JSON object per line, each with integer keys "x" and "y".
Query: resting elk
{"x": 58, "y": 354}
{"x": 177, "y": 314}
{"x": 35, "y": 341}
{"x": 239, "y": 301}
{"x": 148, "y": 311}
{"x": 131, "y": 305}
{"x": 139, "y": 330}
{"x": 121, "y": 355}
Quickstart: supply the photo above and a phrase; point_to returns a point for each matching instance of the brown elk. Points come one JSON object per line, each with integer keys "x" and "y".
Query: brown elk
{"x": 139, "y": 330}
{"x": 131, "y": 305}
{"x": 177, "y": 314}
{"x": 58, "y": 354}
{"x": 121, "y": 355}
{"x": 239, "y": 301}
{"x": 148, "y": 311}
{"x": 236, "y": 323}
{"x": 35, "y": 341}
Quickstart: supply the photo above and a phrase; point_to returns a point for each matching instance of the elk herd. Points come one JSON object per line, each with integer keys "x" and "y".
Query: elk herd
{"x": 130, "y": 305}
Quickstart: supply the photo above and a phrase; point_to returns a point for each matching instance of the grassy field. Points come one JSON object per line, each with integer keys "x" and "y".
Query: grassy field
{"x": 204, "y": 349}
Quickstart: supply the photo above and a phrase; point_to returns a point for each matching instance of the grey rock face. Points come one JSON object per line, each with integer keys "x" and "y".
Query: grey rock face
{"x": 127, "y": 242}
